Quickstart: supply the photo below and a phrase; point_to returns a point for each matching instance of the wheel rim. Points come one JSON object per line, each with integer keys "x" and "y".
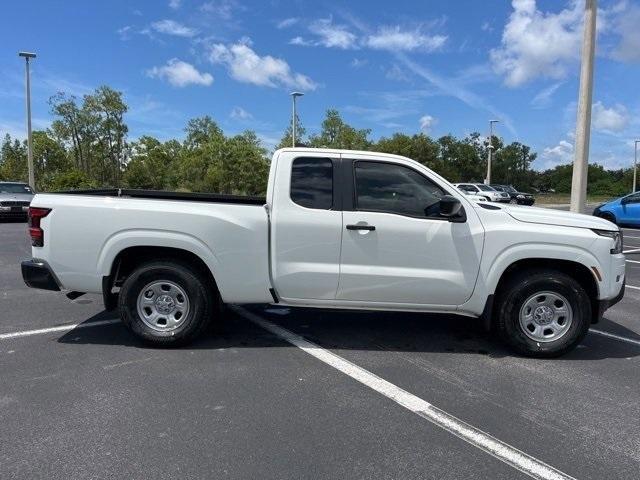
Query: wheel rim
{"x": 163, "y": 305}
{"x": 546, "y": 316}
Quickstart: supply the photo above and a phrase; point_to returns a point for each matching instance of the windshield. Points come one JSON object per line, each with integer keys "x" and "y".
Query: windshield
{"x": 485, "y": 188}
{"x": 15, "y": 188}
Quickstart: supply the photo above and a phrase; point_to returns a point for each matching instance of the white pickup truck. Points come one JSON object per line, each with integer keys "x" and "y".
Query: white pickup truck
{"x": 337, "y": 229}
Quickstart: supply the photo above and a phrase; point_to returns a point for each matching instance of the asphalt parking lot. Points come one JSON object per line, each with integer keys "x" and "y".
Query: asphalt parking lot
{"x": 244, "y": 402}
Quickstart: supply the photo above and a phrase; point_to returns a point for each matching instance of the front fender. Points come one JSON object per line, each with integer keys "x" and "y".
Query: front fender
{"x": 536, "y": 250}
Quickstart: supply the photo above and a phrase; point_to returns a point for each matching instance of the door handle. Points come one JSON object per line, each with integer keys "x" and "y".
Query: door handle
{"x": 361, "y": 227}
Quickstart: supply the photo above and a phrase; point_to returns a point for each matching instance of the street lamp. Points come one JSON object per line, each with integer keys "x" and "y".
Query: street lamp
{"x": 635, "y": 165}
{"x": 27, "y": 56}
{"x": 487, "y": 180}
{"x": 294, "y": 95}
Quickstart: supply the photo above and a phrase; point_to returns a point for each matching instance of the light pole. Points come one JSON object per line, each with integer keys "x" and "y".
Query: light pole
{"x": 487, "y": 180}
{"x": 27, "y": 56}
{"x": 294, "y": 95}
{"x": 635, "y": 165}
{"x": 583, "y": 123}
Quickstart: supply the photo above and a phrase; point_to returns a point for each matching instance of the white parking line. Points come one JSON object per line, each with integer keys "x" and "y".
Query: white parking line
{"x": 61, "y": 328}
{"x": 632, "y": 287}
{"x": 472, "y": 435}
{"x": 617, "y": 337}
{"x": 633, "y": 261}
{"x": 635, "y": 250}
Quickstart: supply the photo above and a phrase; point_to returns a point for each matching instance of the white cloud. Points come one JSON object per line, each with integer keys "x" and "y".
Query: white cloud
{"x": 239, "y": 113}
{"x": 543, "y": 97}
{"x": 287, "y": 22}
{"x": 223, "y": 9}
{"x": 245, "y": 65}
{"x": 124, "y": 32}
{"x": 486, "y": 27}
{"x": 614, "y": 119}
{"x": 359, "y": 62}
{"x": 560, "y": 154}
{"x": 180, "y": 74}
{"x": 537, "y": 44}
{"x": 171, "y": 27}
{"x": 627, "y": 26}
{"x": 301, "y": 42}
{"x": 330, "y": 35}
{"x": 396, "y": 73}
{"x": 427, "y": 122}
{"x": 394, "y": 39}
{"x": 175, "y": 4}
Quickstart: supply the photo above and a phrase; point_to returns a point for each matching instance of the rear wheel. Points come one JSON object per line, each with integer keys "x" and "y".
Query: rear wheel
{"x": 166, "y": 303}
{"x": 543, "y": 313}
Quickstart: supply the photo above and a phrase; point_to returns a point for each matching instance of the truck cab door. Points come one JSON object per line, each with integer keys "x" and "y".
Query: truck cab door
{"x": 396, "y": 248}
{"x": 306, "y": 227}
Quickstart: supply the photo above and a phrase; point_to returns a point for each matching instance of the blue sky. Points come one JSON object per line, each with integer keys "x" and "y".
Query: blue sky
{"x": 435, "y": 66}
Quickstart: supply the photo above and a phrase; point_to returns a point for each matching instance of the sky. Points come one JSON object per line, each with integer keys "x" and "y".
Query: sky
{"x": 433, "y": 66}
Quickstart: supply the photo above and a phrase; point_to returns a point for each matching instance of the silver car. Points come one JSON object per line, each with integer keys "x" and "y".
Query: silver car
{"x": 482, "y": 190}
{"x": 15, "y": 198}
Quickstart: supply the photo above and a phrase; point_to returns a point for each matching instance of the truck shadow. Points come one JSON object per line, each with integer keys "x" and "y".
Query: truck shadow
{"x": 358, "y": 331}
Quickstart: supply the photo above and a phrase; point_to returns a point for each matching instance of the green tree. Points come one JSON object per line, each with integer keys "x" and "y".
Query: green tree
{"x": 336, "y": 133}
{"x": 287, "y": 141}
{"x": 13, "y": 160}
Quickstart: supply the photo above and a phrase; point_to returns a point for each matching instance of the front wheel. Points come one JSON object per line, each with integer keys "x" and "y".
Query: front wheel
{"x": 543, "y": 313}
{"x": 165, "y": 303}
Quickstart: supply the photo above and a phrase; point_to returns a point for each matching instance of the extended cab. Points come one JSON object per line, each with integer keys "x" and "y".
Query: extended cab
{"x": 337, "y": 229}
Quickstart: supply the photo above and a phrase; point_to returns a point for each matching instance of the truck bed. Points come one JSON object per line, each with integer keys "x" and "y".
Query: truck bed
{"x": 164, "y": 195}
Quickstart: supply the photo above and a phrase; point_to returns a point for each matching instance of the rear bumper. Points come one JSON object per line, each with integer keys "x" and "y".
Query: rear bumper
{"x": 38, "y": 274}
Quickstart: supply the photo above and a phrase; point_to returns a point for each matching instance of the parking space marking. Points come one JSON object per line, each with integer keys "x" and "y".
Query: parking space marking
{"x": 633, "y": 261}
{"x": 613, "y": 335}
{"x": 632, "y": 287}
{"x": 635, "y": 250}
{"x": 61, "y": 328}
{"x": 502, "y": 451}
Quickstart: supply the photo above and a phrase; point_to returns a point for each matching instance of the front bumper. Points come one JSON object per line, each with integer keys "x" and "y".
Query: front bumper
{"x": 604, "y": 305}
{"x": 38, "y": 274}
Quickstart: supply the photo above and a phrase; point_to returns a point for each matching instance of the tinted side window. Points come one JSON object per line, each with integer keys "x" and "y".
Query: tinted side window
{"x": 386, "y": 187}
{"x": 312, "y": 182}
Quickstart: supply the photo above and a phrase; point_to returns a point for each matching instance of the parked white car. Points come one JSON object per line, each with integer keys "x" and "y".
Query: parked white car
{"x": 337, "y": 229}
{"x": 482, "y": 190}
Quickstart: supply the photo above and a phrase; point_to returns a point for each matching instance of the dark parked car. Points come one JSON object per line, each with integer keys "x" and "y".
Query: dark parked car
{"x": 521, "y": 198}
{"x": 15, "y": 198}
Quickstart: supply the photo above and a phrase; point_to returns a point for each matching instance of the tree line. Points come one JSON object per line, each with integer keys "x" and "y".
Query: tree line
{"x": 87, "y": 146}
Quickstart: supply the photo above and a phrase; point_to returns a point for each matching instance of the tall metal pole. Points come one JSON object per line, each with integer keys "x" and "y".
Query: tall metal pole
{"x": 293, "y": 123}
{"x": 635, "y": 165}
{"x": 490, "y": 154}
{"x": 28, "y": 56}
{"x": 294, "y": 95}
{"x": 583, "y": 123}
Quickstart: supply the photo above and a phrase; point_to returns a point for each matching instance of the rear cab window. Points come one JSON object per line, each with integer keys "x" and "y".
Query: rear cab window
{"x": 312, "y": 182}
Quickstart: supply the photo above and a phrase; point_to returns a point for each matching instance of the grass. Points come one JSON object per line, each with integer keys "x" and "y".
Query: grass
{"x": 565, "y": 198}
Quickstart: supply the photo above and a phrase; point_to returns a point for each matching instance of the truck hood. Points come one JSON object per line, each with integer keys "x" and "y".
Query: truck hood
{"x": 550, "y": 216}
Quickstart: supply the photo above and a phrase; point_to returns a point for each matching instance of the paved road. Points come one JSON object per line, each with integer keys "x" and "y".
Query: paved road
{"x": 244, "y": 403}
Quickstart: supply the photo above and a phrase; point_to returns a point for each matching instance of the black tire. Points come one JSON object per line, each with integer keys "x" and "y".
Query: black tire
{"x": 201, "y": 296}
{"x": 521, "y": 287}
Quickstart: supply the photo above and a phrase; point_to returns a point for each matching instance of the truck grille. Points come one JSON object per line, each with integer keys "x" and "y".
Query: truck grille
{"x": 14, "y": 203}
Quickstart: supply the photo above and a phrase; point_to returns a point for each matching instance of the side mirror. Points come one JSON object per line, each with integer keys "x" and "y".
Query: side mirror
{"x": 624, "y": 201}
{"x": 451, "y": 208}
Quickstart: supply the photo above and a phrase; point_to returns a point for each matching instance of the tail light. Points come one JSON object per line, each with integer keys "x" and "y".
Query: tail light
{"x": 35, "y": 231}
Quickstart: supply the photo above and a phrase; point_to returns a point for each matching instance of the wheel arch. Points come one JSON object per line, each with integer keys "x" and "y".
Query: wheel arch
{"x": 574, "y": 269}
{"x": 129, "y": 258}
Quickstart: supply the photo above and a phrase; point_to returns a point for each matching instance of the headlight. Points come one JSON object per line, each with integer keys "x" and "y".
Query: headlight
{"x": 615, "y": 236}
{"x": 520, "y": 196}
